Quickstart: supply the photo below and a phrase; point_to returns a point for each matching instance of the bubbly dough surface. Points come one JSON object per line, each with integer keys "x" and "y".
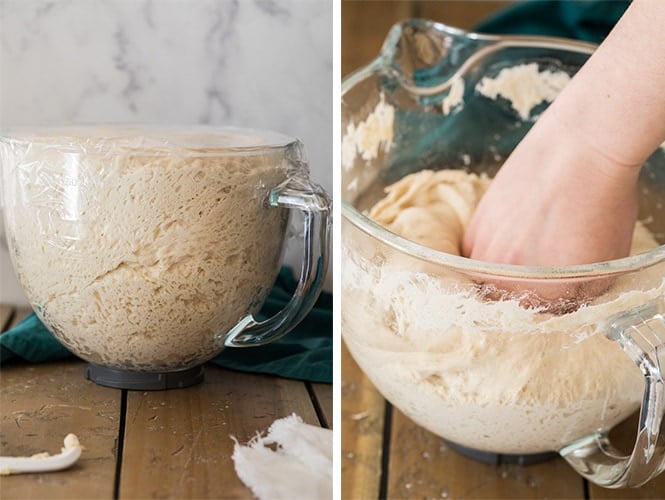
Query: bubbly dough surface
{"x": 142, "y": 261}
{"x": 434, "y": 208}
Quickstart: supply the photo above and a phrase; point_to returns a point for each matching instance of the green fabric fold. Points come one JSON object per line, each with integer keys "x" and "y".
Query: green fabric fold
{"x": 586, "y": 20}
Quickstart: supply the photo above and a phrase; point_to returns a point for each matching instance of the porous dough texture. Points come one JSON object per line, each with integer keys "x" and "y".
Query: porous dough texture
{"x": 142, "y": 261}
{"x": 434, "y": 208}
{"x": 487, "y": 374}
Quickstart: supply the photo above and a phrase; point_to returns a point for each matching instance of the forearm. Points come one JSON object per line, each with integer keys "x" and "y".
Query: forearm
{"x": 616, "y": 103}
{"x": 568, "y": 192}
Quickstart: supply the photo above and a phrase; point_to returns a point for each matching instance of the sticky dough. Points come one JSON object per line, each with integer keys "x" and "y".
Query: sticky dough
{"x": 434, "y": 208}
{"x": 487, "y": 374}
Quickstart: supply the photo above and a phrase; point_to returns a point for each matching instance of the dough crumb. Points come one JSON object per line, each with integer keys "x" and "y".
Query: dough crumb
{"x": 524, "y": 87}
{"x": 366, "y": 138}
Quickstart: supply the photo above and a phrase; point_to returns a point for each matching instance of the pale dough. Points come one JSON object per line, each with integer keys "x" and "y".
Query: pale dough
{"x": 434, "y": 208}
{"x": 431, "y": 208}
{"x": 142, "y": 260}
{"x": 524, "y": 86}
{"x": 490, "y": 375}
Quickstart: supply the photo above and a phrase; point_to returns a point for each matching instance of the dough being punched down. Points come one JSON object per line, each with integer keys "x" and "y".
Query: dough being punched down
{"x": 434, "y": 208}
{"x": 487, "y": 374}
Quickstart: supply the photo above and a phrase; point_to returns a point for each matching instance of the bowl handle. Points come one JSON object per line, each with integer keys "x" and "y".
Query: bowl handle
{"x": 641, "y": 334}
{"x": 314, "y": 203}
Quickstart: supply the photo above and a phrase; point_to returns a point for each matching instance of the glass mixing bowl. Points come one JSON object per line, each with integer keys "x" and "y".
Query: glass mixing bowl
{"x": 147, "y": 250}
{"x": 492, "y": 375}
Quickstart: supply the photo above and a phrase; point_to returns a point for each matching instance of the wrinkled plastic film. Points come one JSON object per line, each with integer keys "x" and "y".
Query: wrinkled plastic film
{"x": 137, "y": 247}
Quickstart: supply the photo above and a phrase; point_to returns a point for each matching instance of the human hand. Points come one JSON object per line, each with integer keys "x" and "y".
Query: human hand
{"x": 568, "y": 193}
{"x": 555, "y": 202}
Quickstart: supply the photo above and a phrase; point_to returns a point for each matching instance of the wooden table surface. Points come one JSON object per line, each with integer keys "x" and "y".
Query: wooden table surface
{"x": 157, "y": 444}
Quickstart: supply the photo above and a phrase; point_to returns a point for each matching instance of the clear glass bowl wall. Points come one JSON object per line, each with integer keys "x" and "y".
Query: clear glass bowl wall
{"x": 470, "y": 369}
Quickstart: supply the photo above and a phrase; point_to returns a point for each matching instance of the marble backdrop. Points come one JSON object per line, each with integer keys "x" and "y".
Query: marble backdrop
{"x": 254, "y": 63}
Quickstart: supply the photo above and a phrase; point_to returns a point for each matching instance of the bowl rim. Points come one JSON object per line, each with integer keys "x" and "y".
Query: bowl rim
{"x": 404, "y": 245}
{"x": 149, "y": 139}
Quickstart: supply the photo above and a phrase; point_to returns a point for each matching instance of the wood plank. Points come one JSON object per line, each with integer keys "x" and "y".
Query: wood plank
{"x": 363, "y": 413}
{"x": 423, "y": 466}
{"x": 5, "y": 315}
{"x": 324, "y": 399}
{"x": 177, "y": 443}
{"x": 623, "y": 437}
{"x": 19, "y": 314}
{"x": 39, "y": 405}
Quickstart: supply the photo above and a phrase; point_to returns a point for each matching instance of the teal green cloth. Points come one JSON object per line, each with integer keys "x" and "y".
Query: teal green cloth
{"x": 304, "y": 354}
{"x": 586, "y": 20}
{"x": 473, "y": 129}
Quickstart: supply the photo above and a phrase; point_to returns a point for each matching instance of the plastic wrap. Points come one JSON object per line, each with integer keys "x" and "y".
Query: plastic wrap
{"x": 139, "y": 246}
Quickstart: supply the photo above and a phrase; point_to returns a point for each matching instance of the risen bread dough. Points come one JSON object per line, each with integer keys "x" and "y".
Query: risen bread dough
{"x": 434, "y": 208}
{"x": 142, "y": 260}
{"x": 490, "y": 375}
